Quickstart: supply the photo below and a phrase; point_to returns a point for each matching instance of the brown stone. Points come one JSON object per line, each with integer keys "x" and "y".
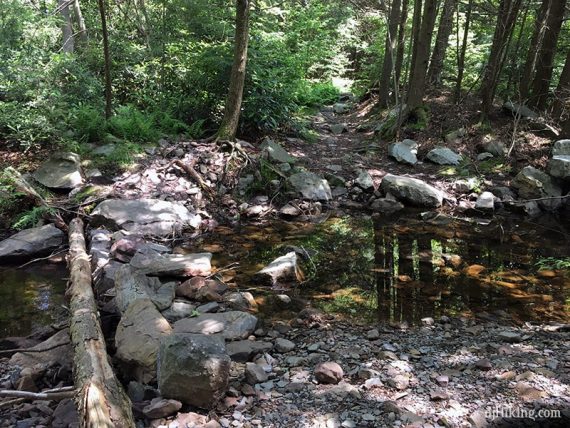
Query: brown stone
{"x": 328, "y": 372}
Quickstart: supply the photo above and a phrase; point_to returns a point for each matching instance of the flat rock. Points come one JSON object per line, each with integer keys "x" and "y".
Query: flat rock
{"x": 275, "y": 152}
{"x": 311, "y": 186}
{"x": 230, "y": 325}
{"x": 404, "y": 152}
{"x": 244, "y": 350}
{"x": 178, "y": 310}
{"x": 144, "y": 216}
{"x": 283, "y": 269}
{"x": 31, "y": 242}
{"x": 59, "y": 351}
{"x": 173, "y": 264}
{"x": 61, "y": 171}
{"x": 138, "y": 336}
{"x": 412, "y": 190}
{"x": 193, "y": 368}
{"x": 443, "y": 156}
{"x": 161, "y": 408}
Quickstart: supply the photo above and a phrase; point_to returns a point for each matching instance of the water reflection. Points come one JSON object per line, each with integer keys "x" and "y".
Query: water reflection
{"x": 407, "y": 269}
{"x": 30, "y": 298}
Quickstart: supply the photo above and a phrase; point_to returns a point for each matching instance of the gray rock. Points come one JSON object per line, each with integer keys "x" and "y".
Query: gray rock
{"x": 230, "y": 325}
{"x": 244, "y": 350}
{"x": 275, "y": 152}
{"x": 504, "y": 193}
{"x": 412, "y": 190}
{"x": 485, "y": 201}
{"x": 193, "y": 368}
{"x": 561, "y": 148}
{"x": 443, "y": 156}
{"x": 404, "y": 152}
{"x": 496, "y": 148}
{"x": 283, "y": 269}
{"x": 340, "y": 108}
{"x": 289, "y": 210}
{"x": 373, "y": 334}
{"x": 161, "y": 408}
{"x": 241, "y": 300}
{"x": 399, "y": 382}
{"x": 144, "y": 216}
{"x": 208, "y": 308}
{"x": 386, "y": 206}
{"x": 532, "y": 183}
{"x": 104, "y": 150}
{"x": 61, "y": 171}
{"x": 364, "y": 180}
{"x": 455, "y": 136}
{"x": 131, "y": 285}
{"x": 465, "y": 186}
{"x": 284, "y": 345}
{"x": 173, "y": 264}
{"x": 510, "y": 336}
{"x": 484, "y": 156}
{"x": 138, "y": 336}
{"x": 338, "y": 128}
{"x": 329, "y": 372}
{"x": 254, "y": 374}
{"x": 31, "y": 242}
{"x": 519, "y": 110}
{"x": 559, "y": 167}
{"x": 311, "y": 186}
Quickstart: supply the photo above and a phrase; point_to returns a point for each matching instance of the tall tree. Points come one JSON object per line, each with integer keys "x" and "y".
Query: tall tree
{"x": 78, "y": 15}
{"x": 68, "y": 44}
{"x": 107, "y": 60}
{"x": 230, "y": 121}
{"x": 388, "y": 66}
{"x": 401, "y": 39}
{"x": 562, "y": 93}
{"x": 532, "y": 53}
{"x": 463, "y": 51}
{"x": 506, "y": 19}
{"x": 441, "y": 42}
{"x": 545, "y": 62}
{"x": 422, "y": 43}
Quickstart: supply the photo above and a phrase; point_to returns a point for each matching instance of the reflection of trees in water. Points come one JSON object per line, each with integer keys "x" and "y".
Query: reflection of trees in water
{"x": 29, "y": 298}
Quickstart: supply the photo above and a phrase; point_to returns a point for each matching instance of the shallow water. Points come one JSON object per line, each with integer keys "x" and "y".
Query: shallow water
{"x": 30, "y": 298}
{"x": 407, "y": 269}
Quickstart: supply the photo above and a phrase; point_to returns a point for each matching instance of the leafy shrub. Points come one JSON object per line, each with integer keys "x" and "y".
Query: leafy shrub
{"x": 317, "y": 94}
{"x": 132, "y": 125}
{"x": 32, "y": 217}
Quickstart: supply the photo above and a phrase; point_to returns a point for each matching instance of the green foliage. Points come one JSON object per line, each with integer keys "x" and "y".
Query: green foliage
{"x": 317, "y": 94}
{"x": 32, "y": 217}
{"x": 553, "y": 263}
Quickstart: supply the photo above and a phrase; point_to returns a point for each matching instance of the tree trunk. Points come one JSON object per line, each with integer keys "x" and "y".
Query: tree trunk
{"x": 532, "y": 53}
{"x": 515, "y": 54}
{"x": 461, "y": 56}
{"x": 68, "y": 44}
{"x": 388, "y": 66}
{"x": 229, "y": 125}
{"x": 80, "y": 21}
{"x": 102, "y": 402}
{"x": 506, "y": 18}
{"x": 107, "y": 59}
{"x": 401, "y": 40}
{"x": 563, "y": 90}
{"x": 416, "y": 28}
{"x": 417, "y": 82}
{"x": 441, "y": 42}
{"x": 545, "y": 60}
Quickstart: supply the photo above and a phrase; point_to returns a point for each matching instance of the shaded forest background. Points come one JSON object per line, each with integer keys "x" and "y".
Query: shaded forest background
{"x": 170, "y": 63}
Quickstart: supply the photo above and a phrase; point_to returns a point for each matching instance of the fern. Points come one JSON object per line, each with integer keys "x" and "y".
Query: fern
{"x": 32, "y": 217}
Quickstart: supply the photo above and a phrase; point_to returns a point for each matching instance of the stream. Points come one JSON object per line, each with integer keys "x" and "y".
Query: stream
{"x": 366, "y": 269}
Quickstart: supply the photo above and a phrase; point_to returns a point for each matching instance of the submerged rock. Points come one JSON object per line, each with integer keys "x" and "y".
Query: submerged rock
{"x": 311, "y": 186}
{"x": 144, "y": 216}
{"x": 283, "y": 269}
{"x": 31, "y": 242}
{"x": 444, "y": 156}
{"x": 412, "y": 190}
{"x": 61, "y": 171}
{"x": 404, "y": 152}
{"x": 230, "y": 325}
{"x": 193, "y": 368}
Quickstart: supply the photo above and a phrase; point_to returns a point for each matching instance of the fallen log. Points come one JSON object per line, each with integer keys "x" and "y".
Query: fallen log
{"x": 101, "y": 399}
{"x": 53, "y": 394}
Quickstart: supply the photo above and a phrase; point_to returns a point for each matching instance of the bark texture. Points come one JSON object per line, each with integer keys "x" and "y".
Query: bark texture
{"x": 107, "y": 59}
{"x": 441, "y": 42}
{"x": 388, "y": 71}
{"x": 461, "y": 56}
{"x": 68, "y": 44}
{"x": 101, "y": 400}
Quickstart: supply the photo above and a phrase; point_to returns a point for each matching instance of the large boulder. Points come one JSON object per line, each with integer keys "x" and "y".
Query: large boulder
{"x": 411, "y": 190}
{"x": 173, "y": 264}
{"x": 283, "y": 269}
{"x": 311, "y": 186}
{"x": 444, "y": 156}
{"x": 532, "y": 183}
{"x": 61, "y": 171}
{"x": 519, "y": 110}
{"x": 561, "y": 148}
{"x": 144, "y": 216}
{"x": 31, "y": 242}
{"x": 404, "y": 152}
{"x": 230, "y": 325}
{"x": 58, "y": 350}
{"x": 559, "y": 165}
{"x": 138, "y": 337}
{"x": 275, "y": 152}
{"x": 193, "y": 368}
